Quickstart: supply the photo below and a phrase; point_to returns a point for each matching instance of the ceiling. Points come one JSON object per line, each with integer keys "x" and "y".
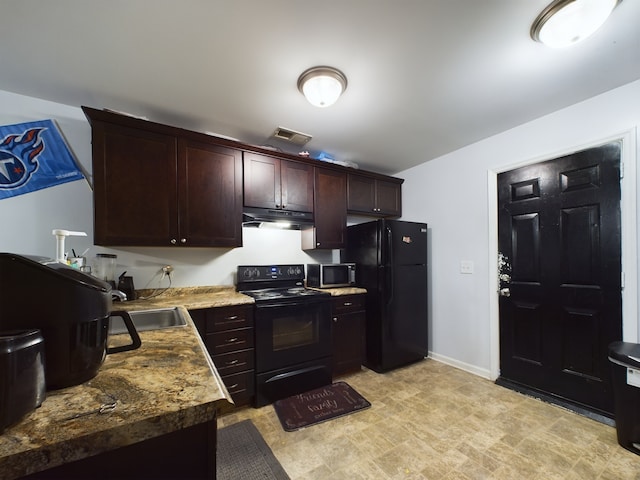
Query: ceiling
{"x": 426, "y": 77}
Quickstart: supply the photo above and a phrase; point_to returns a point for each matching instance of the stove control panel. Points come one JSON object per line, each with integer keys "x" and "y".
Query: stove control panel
{"x": 259, "y": 273}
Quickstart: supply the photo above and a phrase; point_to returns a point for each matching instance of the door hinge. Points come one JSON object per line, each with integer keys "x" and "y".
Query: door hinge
{"x": 622, "y": 280}
{"x": 621, "y": 170}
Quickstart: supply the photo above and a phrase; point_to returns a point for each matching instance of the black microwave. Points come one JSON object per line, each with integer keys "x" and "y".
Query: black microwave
{"x": 330, "y": 275}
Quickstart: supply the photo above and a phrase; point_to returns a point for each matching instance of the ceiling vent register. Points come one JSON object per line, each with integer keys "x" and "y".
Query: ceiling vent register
{"x": 292, "y": 136}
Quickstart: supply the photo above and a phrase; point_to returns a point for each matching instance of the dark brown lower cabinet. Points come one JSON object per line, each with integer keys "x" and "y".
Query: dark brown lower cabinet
{"x": 186, "y": 453}
{"x": 228, "y": 335}
{"x": 347, "y": 334}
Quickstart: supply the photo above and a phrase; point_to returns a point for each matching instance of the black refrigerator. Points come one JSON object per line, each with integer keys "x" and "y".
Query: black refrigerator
{"x": 391, "y": 263}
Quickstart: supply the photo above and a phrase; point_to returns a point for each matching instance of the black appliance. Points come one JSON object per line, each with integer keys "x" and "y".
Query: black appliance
{"x": 22, "y": 384}
{"x": 331, "y": 275}
{"x": 391, "y": 263}
{"x": 256, "y": 217}
{"x": 70, "y": 307}
{"x": 292, "y": 331}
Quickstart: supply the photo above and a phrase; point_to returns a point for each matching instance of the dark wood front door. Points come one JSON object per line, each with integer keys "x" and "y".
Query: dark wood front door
{"x": 560, "y": 279}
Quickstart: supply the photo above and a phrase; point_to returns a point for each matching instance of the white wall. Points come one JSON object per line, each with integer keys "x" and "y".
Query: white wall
{"x": 452, "y": 194}
{"x": 26, "y": 221}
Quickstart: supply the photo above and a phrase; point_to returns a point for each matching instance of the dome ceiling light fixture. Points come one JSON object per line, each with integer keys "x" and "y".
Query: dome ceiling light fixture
{"x": 565, "y": 22}
{"x": 322, "y": 86}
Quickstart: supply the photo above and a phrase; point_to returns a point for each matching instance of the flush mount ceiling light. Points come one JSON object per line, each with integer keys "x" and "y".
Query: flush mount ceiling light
{"x": 322, "y": 86}
{"x": 565, "y": 22}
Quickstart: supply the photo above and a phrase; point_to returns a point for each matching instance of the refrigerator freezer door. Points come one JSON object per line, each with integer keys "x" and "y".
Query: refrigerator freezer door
{"x": 403, "y": 243}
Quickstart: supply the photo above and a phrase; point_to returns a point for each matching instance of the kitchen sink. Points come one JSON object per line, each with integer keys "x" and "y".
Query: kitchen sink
{"x": 144, "y": 320}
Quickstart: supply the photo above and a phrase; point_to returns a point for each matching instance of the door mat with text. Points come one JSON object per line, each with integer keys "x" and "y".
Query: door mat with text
{"x": 319, "y": 405}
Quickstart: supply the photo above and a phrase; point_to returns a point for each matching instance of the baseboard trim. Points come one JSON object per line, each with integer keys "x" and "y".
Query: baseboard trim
{"x": 467, "y": 367}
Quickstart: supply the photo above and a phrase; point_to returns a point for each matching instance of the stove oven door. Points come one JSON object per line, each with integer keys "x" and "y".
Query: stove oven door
{"x": 292, "y": 333}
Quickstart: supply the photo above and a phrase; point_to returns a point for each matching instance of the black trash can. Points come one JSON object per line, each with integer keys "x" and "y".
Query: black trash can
{"x": 625, "y": 367}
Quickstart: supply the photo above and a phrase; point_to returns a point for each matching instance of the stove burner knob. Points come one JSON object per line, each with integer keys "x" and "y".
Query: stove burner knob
{"x": 250, "y": 273}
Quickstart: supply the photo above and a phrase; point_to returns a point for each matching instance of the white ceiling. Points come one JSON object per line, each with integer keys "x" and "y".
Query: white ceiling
{"x": 426, "y": 77}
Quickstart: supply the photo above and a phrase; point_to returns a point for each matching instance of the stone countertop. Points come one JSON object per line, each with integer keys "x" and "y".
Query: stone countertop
{"x": 167, "y": 384}
{"x": 339, "y": 291}
{"x": 191, "y": 298}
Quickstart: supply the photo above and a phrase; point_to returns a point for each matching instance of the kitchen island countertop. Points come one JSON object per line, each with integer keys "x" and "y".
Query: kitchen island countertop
{"x": 167, "y": 384}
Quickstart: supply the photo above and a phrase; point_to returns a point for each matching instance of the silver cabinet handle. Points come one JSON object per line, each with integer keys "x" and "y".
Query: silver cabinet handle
{"x": 173, "y": 241}
{"x": 505, "y": 292}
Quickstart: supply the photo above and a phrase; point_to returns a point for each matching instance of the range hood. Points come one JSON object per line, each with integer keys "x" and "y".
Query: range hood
{"x": 267, "y": 217}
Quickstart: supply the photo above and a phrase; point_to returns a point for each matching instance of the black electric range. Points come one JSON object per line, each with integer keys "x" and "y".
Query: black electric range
{"x": 279, "y": 283}
{"x": 292, "y": 326}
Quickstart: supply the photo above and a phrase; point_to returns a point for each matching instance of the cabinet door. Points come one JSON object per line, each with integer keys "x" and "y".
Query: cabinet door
{"x": 348, "y": 342}
{"x": 209, "y": 195}
{"x": 330, "y": 208}
{"x": 297, "y": 186}
{"x": 372, "y": 196}
{"x": 262, "y": 181}
{"x": 388, "y": 198}
{"x": 361, "y": 194}
{"x": 135, "y": 197}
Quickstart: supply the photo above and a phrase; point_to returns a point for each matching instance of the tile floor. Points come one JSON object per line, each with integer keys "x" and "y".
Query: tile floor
{"x": 433, "y": 421}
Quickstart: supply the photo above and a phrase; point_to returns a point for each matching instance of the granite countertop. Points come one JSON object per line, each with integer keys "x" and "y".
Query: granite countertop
{"x": 339, "y": 291}
{"x": 167, "y": 384}
{"x": 194, "y": 298}
{"x": 191, "y": 298}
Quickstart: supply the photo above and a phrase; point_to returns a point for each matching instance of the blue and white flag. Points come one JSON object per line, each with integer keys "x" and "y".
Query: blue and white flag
{"x": 34, "y": 156}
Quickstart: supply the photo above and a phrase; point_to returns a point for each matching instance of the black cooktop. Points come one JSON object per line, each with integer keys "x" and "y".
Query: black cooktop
{"x": 274, "y": 282}
{"x": 278, "y": 293}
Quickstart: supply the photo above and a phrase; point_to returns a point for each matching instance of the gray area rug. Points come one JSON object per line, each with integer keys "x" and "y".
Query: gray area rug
{"x": 243, "y": 454}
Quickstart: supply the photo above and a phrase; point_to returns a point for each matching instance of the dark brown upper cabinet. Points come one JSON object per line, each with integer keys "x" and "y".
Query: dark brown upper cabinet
{"x": 330, "y": 211}
{"x": 373, "y": 196}
{"x": 154, "y": 186}
{"x": 209, "y": 195}
{"x": 271, "y": 182}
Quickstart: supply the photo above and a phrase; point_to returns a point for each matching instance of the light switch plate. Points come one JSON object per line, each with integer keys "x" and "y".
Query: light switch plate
{"x": 466, "y": 266}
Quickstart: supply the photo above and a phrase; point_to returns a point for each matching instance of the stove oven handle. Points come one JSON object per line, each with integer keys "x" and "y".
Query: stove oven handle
{"x": 284, "y": 305}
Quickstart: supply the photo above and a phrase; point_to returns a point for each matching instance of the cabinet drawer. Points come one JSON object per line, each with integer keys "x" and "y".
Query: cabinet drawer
{"x": 229, "y": 341}
{"x": 240, "y": 386}
{"x": 227, "y": 318}
{"x": 234, "y": 362}
{"x": 347, "y": 303}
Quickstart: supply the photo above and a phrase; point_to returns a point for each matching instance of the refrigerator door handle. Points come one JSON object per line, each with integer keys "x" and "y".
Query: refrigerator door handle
{"x": 388, "y": 263}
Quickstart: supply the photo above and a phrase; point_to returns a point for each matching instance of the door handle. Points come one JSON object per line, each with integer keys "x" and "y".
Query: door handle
{"x": 505, "y": 292}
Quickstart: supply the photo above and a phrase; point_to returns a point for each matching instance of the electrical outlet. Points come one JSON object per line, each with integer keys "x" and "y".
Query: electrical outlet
{"x": 167, "y": 269}
{"x": 466, "y": 266}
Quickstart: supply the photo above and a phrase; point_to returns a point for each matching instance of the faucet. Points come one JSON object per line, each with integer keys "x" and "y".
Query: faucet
{"x": 118, "y": 295}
